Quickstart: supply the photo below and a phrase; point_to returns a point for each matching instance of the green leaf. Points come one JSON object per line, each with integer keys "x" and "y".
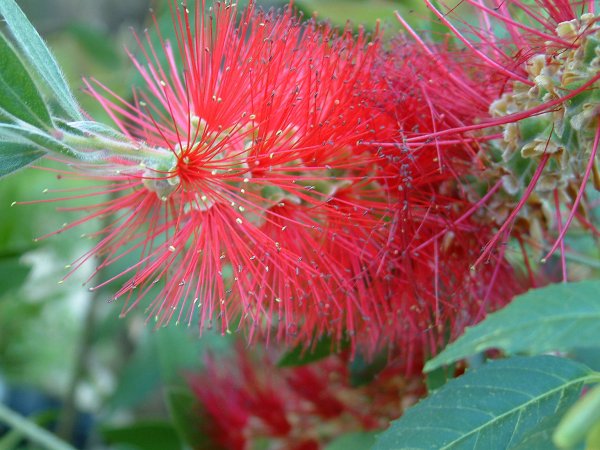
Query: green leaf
{"x": 19, "y": 95}
{"x": 363, "y": 371}
{"x": 493, "y": 407}
{"x": 301, "y": 355}
{"x": 144, "y": 435}
{"x": 360, "y": 440}
{"x": 40, "y": 58}
{"x": 579, "y": 420}
{"x": 45, "y": 142}
{"x": 361, "y": 12}
{"x": 185, "y": 418}
{"x": 12, "y": 273}
{"x": 593, "y": 438}
{"x": 558, "y": 317}
{"x": 20, "y": 146}
{"x": 439, "y": 377}
{"x": 15, "y": 155}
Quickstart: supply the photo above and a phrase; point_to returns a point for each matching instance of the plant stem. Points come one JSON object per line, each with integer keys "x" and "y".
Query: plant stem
{"x": 68, "y": 414}
{"x": 137, "y": 151}
{"x": 31, "y": 430}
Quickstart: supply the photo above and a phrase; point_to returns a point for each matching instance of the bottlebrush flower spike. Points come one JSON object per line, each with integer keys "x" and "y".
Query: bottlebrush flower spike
{"x": 547, "y": 108}
{"x": 260, "y": 203}
{"x": 246, "y": 399}
{"x": 424, "y": 279}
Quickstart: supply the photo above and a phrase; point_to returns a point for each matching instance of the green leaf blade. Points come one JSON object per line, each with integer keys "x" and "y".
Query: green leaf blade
{"x": 16, "y": 155}
{"x": 492, "y": 407}
{"x": 559, "y": 317}
{"x": 40, "y": 58}
{"x": 19, "y": 96}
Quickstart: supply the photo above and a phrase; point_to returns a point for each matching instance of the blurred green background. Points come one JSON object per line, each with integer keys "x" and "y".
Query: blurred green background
{"x": 65, "y": 356}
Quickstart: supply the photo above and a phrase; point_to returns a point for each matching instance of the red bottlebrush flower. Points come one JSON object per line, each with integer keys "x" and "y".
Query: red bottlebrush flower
{"x": 427, "y": 289}
{"x": 545, "y": 102}
{"x": 248, "y": 399}
{"x": 252, "y": 199}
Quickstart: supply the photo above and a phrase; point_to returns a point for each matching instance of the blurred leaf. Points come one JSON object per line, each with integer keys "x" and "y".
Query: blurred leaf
{"x": 185, "y": 419}
{"x": 579, "y": 420}
{"x": 360, "y": 440}
{"x": 12, "y": 273}
{"x": 589, "y": 356}
{"x": 144, "y": 435}
{"x": 494, "y": 407}
{"x": 301, "y": 355}
{"x": 40, "y": 58}
{"x": 96, "y": 43}
{"x": 11, "y": 440}
{"x": 558, "y": 317}
{"x": 19, "y": 95}
{"x": 139, "y": 378}
{"x": 593, "y": 438}
{"x": 162, "y": 356}
{"x": 365, "y": 13}
{"x": 439, "y": 377}
{"x": 179, "y": 348}
{"x": 363, "y": 371}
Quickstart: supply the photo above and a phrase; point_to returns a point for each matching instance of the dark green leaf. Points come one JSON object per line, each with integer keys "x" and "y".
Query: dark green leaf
{"x": 147, "y": 435}
{"x": 19, "y": 95}
{"x": 12, "y": 273}
{"x": 301, "y": 355}
{"x": 139, "y": 379}
{"x": 15, "y": 155}
{"x": 363, "y": 371}
{"x": 557, "y": 317}
{"x": 39, "y": 57}
{"x": 439, "y": 377}
{"x": 494, "y": 407}
{"x": 184, "y": 416}
{"x": 360, "y": 440}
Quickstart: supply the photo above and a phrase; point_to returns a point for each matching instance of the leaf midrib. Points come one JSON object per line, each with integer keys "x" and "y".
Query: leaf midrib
{"x": 523, "y": 406}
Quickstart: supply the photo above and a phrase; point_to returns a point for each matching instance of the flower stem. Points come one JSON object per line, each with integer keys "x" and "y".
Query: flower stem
{"x": 133, "y": 151}
{"x": 34, "y": 432}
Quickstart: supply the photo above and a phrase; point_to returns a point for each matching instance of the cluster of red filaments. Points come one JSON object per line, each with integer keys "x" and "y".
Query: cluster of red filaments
{"x": 269, "y": 207}
{"x": 307, "y": 189}
{"x": 246, "y": 400}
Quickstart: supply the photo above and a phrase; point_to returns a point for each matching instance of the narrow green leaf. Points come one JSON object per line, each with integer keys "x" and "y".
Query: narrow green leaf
{"x": 45, "y": 142}
{"x": 19, "y": 95}
{"x": 40, "y": 57}
{"x": 494, "y": 407}
{"x": 558, "y": 317}
{"x": 15, "y": 155}
{"x": 90, "y": 127}
{"x": 145, "y": 435}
